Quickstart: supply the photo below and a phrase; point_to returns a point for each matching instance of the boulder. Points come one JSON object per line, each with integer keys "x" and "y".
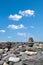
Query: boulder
{"x": 14, "y": 59}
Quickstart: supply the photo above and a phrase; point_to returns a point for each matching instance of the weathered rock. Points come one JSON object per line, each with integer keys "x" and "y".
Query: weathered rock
{"x": 1, "y": 51}
{"x": 14, "y": 59}
{"x": 5, "y": 63}
{"x": 1, "y": 62}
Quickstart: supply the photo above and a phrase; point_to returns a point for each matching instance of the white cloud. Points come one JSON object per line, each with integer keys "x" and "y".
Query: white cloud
{"x": 15, "y": 17}
{"x": 27, "y": 12}
{"x": 2, "y": 31}
{"x": 32, "y": 27}
{"x": 12, "y": 26}
{"x": 2, "y": 40}
{"x": 9, "y": 37}
{"x": 21, "y": 34}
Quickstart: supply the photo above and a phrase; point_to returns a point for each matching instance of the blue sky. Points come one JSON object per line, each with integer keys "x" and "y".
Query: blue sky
{"x": 21, "y": 19}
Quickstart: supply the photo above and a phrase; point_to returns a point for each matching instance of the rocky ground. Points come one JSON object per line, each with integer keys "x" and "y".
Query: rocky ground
{"x": 21, "y": 54}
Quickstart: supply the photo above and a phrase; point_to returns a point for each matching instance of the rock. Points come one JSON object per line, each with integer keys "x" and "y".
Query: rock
{"x": 10, "y": 63}
{"x": 1, "y": 62}
{"x": 9, "y": 55}
{"x": 6, "y": 49}
{"x": 14, "y": 59}
{"x": 0, "y": 57}
{"x": 5, "y": 63}
{"x": 1, "y": 51}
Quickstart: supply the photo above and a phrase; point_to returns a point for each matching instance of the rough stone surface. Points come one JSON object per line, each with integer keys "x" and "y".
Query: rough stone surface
{"x": 18, "y": 50}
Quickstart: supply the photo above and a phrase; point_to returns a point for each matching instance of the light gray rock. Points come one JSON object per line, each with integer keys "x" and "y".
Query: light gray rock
{"x": 5, "y": 63}
{"x": 1, "y": 62}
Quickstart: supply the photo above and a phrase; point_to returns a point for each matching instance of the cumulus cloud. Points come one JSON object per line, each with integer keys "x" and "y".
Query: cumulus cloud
{"x": 12, "y": 26}
{"x": 2, "y": 31}
{"x": 27, "y": 12}
{"x": 15, "y": 17}
{"x": 21, "y": 34}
